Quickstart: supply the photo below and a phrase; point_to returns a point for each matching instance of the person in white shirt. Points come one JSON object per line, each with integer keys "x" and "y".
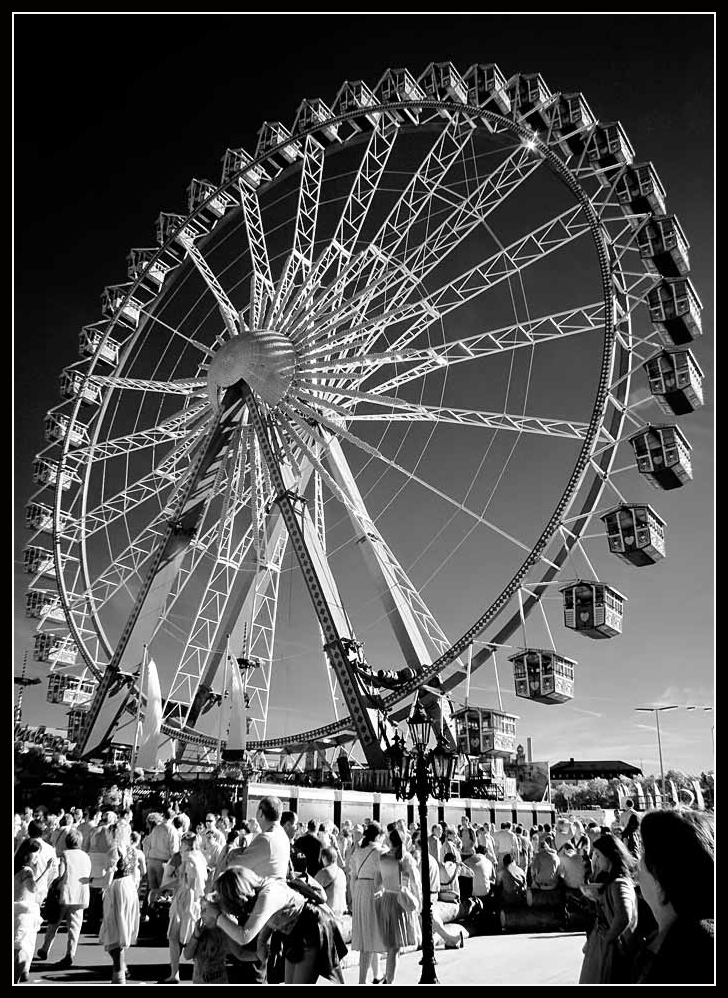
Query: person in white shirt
{"x": 483, "y": 872}
{"x": 213, "y": 841}
{"x": 269, "y": 852}
{"x": 45, "y": 861}
{"x": 506, "y": 842}
{"x": 161, "y": 844}
{"x": 434, "y": 842}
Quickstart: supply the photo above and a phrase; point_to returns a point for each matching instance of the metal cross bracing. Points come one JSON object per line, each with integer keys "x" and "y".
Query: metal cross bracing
{"x": 487, "y": 196}
{"x": 261, "y": 288}
{"x": 161, "y": 571}
{"x": 583, "y": 319}
{"x": 230, "y": 316}
{"x": 411, "y": 412}
{"x": 299, "y": 262}
{"x": 204, "y": 634}
{"x": 176, "y": 427}
{"x": 416, "y": 199}
{"x": 320, "y": 525}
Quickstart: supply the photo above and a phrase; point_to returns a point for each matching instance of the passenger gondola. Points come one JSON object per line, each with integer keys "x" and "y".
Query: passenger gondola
{"x": 636, "y": 534}
{"x": 542, "y": 675}
{"x": 593, "y": 609}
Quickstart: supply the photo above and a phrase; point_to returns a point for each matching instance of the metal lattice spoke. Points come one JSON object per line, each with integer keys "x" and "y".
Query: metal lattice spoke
{"x": 374, "y": 452}
{"x": 510, "y": 262}
{"x": 178, "y": 427}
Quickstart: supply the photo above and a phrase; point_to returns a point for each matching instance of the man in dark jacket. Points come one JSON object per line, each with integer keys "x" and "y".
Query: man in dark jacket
{"x": 310, "y": 846}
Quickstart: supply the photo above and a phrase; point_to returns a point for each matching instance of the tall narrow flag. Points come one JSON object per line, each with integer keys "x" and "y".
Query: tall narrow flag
{"x": 238, "y": 734}
{"x": 148, "y": 753}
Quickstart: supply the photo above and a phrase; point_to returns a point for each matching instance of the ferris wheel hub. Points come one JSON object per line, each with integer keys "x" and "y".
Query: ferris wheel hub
{"x": 264, "y": 358}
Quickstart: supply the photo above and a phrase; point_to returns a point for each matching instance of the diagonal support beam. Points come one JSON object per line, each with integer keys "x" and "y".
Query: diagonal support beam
{"x": 369, "y": 723}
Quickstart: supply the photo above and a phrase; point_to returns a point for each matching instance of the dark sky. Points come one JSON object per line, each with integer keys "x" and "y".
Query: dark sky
{"x": 114, "y": 114}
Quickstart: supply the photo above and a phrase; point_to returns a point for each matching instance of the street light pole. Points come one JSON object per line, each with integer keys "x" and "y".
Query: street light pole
{"x": 659, "y": 751}
{"x": 429, "y": 974}
{"x": 656, "y": 711}
{"x": 433, "y": 773}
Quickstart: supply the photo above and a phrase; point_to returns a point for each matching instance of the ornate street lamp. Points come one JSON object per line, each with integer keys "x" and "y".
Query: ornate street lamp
{"x": 422, "y": 774}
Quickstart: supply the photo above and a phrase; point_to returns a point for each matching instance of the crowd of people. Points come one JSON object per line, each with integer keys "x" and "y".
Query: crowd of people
{"x": 277, "y": 900}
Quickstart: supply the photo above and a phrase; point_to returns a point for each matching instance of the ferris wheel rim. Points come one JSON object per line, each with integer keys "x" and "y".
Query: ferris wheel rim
{"x": 522, "y": 131}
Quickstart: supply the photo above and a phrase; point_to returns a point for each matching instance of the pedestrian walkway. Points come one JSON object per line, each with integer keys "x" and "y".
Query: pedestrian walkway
{"x": 543, "y": 959}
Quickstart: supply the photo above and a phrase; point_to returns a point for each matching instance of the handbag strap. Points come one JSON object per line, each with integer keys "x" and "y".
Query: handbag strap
{"x": 363, "y": 864}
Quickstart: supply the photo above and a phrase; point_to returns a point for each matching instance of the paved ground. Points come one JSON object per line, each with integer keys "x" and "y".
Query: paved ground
{"x": 531, "y": 958}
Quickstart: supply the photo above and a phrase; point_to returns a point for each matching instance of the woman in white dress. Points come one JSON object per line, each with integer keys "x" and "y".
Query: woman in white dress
{"x": 185, "y": 909}
{"x": 120, "y": 923}
{"x": 366, "y": 878}
{"x": 398, "y": 927}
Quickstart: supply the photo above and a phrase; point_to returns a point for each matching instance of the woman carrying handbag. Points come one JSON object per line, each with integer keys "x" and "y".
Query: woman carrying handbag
{"x": 73, "y": 893}
{"x": 610, "y": 944}
{"x": 398, "y": 907}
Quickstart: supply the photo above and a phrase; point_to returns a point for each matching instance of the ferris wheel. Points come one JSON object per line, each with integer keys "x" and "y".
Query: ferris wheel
{"x": 397, "y": 359}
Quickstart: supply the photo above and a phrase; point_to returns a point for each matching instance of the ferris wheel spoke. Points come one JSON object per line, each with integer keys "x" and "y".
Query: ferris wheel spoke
{"x": 180, "y": 386}
{"x": 232, "y": 319}
{"x": 300, "y": 260}
{"x": 363, "y": 331}
{"x": 342, "y": 364}
{"x": 543, "y": 329}
{"x": 207, "y": 485}
{"x": 339, "y": 252}
{"x": 488, "y": 195}
{"x": 202, "y": 347}
{"x": 424, "y": 185}
{"x": 338, "y": 430}
{"x": 411, "y": 412}
{"x": 364, "y": 188}
{"x": 262, "y": 288}
{"x": 374, "y": 300}
{"x": 560, "y": 428}
{"x": 181, "y": 425}
{"x": 405, "y": 609}
{"x": 524, "y": 252}
{"x": 419, "y": 194}
{"x": 313, "y": 320}
{"x": 133, "y": 495}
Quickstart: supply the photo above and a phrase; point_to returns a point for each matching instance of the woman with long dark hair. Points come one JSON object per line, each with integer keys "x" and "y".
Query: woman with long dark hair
{"x": 399, "y": 927}
{"x": 608, "y": 952}
{"x": 676, "y": 878}
{"x": 250, "y": 907}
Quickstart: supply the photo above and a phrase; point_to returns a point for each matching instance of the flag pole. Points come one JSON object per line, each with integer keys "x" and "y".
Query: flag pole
{"x": 222, "y": 702}
{"x": 142, "y": 672}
